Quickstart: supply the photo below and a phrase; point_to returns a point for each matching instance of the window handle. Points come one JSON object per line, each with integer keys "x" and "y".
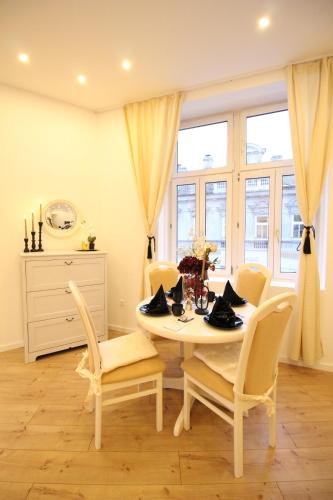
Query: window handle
{"x": 70, "y": 319}
{"x": 68, "y": 262}
{"x": 277, "y": 235}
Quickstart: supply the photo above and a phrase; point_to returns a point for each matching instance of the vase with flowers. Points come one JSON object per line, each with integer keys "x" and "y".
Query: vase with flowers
{"x": 194, "y": 267}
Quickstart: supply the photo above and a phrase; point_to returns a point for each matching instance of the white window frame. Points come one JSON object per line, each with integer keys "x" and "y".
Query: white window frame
{"x": 262, "y": 110}
{"x": 200, "y": 219}
{"x": 227, "y": 177}
{"x": 180, "y": 181}
{"x": 280, "y": 172}
{"x": 235, "y": 172}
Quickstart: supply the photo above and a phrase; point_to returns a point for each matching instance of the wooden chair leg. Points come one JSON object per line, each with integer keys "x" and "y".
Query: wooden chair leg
{"x": 159, "y": 403}
{"x": 238, "y": 441}
{"x": 98, "y": 421}
{"x": 272, "y": 423}
{"x": 187, "y": 405}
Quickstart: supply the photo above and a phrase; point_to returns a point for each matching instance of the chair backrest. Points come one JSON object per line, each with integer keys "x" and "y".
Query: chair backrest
{"x": 257, "y": 366}
{"x": 160, "y": 273}
{"x": 252, "y": 282}
{"x": 94, "y": 355}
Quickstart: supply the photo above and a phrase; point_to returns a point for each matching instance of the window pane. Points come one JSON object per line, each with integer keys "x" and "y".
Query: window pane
{"x": 291, "y": 226}
{"x": 257, "y": 220}
{"x": 202, "y": 147}
{"x": 186, "y": 205}
{"x": 268, "y": 137}
{"x": 215, "y": 219}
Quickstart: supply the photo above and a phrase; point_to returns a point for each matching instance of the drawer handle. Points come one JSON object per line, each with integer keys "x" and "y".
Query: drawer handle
{"x": 67, "y": 290}
{"x": 68, "y": 262}
{"x": 69, "y": 319}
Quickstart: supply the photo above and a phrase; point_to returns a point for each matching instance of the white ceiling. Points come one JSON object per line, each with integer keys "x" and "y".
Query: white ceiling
{"x": 174, "y": 44}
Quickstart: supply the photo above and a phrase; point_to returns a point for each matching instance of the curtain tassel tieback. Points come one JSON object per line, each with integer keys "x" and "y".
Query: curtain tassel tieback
{"x": 307, "y": 244}
{"x": 149, "y": 251}
{"x": 94, "y": 378}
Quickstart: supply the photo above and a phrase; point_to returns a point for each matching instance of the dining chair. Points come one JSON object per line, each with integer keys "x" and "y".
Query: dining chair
{"x": 108, "y": 366}
{"x": 160, "y": 273}
{"x": 254, "y": 379}
{"x": 252, "y": 281}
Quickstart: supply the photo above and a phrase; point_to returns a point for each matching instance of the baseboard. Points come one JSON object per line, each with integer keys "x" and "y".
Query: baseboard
{"x": 121, "y": 329}
{"x": 13, "y": 345}
{"x": 326, "y": 367}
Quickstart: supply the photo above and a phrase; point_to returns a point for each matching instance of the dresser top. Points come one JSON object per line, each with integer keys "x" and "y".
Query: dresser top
{"x": 60, "y": 253}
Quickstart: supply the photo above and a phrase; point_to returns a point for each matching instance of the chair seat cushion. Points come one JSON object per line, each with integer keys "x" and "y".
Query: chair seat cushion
{"x": 221, "y": 358}
{"x": 140, "y": 369}
{"x": 207, "y": 377}
{"x": 125, "y": 350}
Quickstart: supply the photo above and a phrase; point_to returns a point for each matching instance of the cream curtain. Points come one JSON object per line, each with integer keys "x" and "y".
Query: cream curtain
{"x": 152, "y": 128}
{"x": 310, "y": 94}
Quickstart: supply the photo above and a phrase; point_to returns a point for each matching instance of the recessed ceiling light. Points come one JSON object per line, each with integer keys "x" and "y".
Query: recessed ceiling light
{"x": 24, "y": 58}
{"x": 264, "y": 22}
{"x": 126, "y": 64}
{"x": 82, "y": 79}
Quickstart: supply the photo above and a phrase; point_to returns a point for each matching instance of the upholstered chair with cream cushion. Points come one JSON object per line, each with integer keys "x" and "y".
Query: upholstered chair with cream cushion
{"x": 120, "y": 363}
{"x": 252, "y": 282}
{"x": 160, "y": 273}
{"x": 253, "y": 380}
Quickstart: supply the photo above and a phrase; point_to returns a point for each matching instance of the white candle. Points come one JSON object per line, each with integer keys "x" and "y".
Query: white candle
{"x": 40, "y": 212}
{"x": 25, "y": 227}
{"x": 32, "y": 221}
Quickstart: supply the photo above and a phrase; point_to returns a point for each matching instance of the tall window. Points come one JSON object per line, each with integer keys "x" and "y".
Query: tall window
{"x": 247, "y": 207}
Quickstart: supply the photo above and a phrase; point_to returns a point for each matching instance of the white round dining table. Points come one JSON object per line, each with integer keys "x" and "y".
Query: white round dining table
{"x": 195, "y": 331}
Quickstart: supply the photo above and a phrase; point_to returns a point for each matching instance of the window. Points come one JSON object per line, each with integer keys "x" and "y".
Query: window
{"x": 297, "y": 227}
{"x": 247, "y": 207}
{"x": 203, "y": 207}
{"x": 261, "y": 227}
{"x": 202, "y": 147}
{"x": 291, "y": 225}
{"x": 268, "y": 137}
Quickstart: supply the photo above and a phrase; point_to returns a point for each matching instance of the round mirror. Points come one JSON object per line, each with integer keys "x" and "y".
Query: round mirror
{"x": 61, "y": 218}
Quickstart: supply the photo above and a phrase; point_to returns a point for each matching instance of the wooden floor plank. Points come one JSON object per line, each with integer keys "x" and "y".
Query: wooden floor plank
{"x": 199, "y": 438}
{"x": 45, "y": 437}
{"x": 259, "y": 465}
{"x": 311, "y": 434}
{"x": 14, "y": 491}
{"x": 89, "y": 468}
{"x": 265, "y": 491}
{"x": 307, "y": 490}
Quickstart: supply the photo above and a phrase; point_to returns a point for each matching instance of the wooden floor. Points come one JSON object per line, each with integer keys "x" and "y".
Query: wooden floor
{"x": 47, "y": 450}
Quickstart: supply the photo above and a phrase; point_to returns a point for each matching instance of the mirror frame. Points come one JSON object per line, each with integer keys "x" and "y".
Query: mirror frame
{"x": 56, "y": 232}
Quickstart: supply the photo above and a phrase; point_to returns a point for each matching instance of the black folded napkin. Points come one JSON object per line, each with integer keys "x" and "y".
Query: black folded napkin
{"x": 231, "y": 296}
{"x": 157, "y": 305}
{"x": 177, "y": 291}
{"x": 223, "y": 316}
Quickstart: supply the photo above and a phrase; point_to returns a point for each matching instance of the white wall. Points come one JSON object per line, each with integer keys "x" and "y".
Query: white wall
{"x": 52, "y": 150}
{"x": 124, "y": 236}
{"x": 47, "y": 151}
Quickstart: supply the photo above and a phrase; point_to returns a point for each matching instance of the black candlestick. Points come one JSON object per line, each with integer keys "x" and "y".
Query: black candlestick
{"x": 40, "y": 246}
{"x": 33, "y": 241}
{"x": 26, "y": 248}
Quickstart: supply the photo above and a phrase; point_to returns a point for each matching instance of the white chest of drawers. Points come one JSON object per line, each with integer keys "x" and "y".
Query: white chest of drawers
{"x": 51, "y": 321}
